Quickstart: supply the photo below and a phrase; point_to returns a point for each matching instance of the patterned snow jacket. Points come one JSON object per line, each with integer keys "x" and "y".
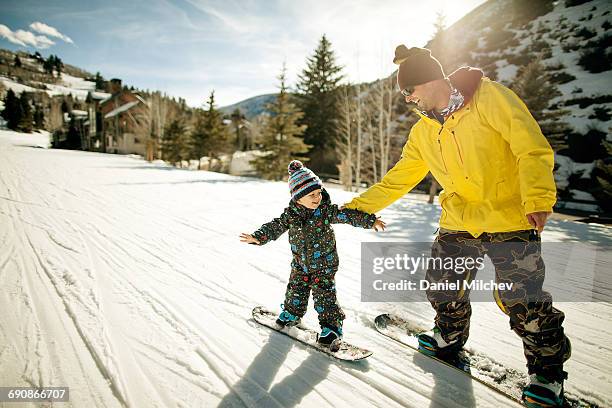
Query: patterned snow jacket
{"x": 312, "y": 239}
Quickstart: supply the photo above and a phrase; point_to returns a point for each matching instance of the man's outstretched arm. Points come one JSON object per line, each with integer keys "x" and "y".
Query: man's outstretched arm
{"x": 407, "y": 173}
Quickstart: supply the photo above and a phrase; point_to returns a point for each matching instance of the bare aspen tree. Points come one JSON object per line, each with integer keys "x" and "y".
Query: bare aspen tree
{"x": 372, "y": 146}
{"x": 381, "y": 133}
{"x": 159, "y": 109}
{"x": 344, "y": 145}
{"x": 359, "y": 137}
{"x": 388, "y": 116}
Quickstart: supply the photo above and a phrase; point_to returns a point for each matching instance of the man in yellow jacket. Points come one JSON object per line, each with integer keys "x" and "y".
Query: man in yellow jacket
{"x": 484, "y": 148}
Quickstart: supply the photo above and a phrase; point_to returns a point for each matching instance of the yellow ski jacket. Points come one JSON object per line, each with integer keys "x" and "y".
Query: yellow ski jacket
{"x": 490, "y": 157}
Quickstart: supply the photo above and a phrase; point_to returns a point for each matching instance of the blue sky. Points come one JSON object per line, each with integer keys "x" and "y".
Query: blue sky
{"x": 189, "y": 47}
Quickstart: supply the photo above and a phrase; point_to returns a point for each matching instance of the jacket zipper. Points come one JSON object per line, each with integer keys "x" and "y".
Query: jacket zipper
{"x": 440, "y": 147}
{"x": 458, "y": 148}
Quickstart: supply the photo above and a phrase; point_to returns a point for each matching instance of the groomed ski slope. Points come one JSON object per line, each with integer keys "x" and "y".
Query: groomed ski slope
{"x": 126, "y": 282}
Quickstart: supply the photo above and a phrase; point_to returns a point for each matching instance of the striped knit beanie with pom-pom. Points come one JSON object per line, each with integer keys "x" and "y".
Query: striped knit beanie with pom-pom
{"x": 302, "y": 180}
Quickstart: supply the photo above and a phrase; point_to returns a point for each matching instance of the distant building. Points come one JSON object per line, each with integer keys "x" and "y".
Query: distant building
{"x": 119, "y": 123}
{"x": 94, "y": 139}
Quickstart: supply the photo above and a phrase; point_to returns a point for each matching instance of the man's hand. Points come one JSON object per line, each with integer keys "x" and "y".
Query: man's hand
{"x": 538, "y": 219}
{"x": 379, "y": 225}
{"x": 248, "y": 238}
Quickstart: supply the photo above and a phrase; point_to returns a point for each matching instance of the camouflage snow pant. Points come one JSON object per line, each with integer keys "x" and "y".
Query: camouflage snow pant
{"x": 516, "y": 257}
{"x": 323, "y": 285}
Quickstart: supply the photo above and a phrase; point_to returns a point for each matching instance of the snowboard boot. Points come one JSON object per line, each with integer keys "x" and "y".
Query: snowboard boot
{"x": 329, "y": 334}
{"x": 545, "y": 390}
{"x": 432, "y": 344}
{"x": 287, "y": 319}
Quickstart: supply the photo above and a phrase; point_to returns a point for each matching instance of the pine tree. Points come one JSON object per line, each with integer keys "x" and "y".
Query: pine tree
{"x": 48, "y": 65}
{"x": 53, "y": 62}
{"x": 11, "y": 112}
{"x": 281, "y": 141}
{"x": 26, "y": 118}
{"x": 173, "y": 142}
{"x": 199, "y": 136}
{"x": 59, "y": 65}
{"x": 318, "y": 98}
{"x": 533, "y": 86}
{"x": 100, "y": 82}
{"x": 209, "y": 135}
{"x": 439, "y": 44}
{"x": 17, "y": 61}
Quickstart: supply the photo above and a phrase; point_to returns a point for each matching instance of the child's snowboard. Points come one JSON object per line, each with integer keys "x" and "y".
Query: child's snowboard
{"x": 340, "y": 349}
{"x": 481, "y": 368}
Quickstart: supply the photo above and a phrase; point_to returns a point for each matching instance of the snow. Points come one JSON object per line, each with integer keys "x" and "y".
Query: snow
{"x": 581, "y": 195}
{"x": 77, "y": 87}
{"x": 506, "y": 72}
{"x": 126, "y": 281}
{"x": 15, "y": 86}
{"x": 78, "y": 83}
{"x": 79, "y": 113}
{"x": 592, "y": 85}
{"x": 54, "y": 90}
{"x": 567, "y": 167}
{"x": 120, "y": 109}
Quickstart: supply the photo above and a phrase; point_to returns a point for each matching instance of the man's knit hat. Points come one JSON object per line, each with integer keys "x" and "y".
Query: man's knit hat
{"x": 416, "y": 66}
{"x": 302, "y": 180}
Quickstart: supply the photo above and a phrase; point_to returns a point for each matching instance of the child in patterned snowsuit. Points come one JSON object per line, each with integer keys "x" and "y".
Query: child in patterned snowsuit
{"x": 315, "y": 260}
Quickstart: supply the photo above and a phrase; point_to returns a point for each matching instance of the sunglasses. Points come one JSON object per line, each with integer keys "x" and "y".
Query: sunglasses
{"x": 407, "y": 91}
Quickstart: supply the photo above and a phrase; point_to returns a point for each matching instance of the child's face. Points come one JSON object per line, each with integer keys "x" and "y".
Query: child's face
{"x": 312, "y": 200}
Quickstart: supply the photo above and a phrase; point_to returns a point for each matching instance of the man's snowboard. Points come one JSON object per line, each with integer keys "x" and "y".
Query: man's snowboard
{"x": 340, "y": 349}
{"x": 478, "y": 366}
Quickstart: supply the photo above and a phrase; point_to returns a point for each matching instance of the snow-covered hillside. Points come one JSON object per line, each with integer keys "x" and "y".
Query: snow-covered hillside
{"x": 250, "y": 107}
{"x": 67, "y": 85}
{"x": 567, "y": 31}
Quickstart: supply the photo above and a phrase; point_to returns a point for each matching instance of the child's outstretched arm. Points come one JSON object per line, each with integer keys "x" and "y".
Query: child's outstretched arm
{"x": 356, "y": 218}
{"x": 270, "y": 231}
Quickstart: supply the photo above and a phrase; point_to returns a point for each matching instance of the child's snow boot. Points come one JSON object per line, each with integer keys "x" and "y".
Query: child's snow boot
{"x": 287, "y": 319}
{"x": 329, "y": 334}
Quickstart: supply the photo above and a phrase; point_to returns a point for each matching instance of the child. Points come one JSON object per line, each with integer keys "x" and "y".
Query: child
{"x": 313, "y": 245}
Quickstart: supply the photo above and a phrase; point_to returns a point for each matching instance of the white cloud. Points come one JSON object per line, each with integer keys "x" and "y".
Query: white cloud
{"x": 7, "y": 33}
{"x": 50, "y": 31}
{"x": 25, "y": 38}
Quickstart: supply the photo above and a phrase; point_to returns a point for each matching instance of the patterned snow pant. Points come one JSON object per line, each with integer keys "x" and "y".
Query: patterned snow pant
{"x": 517, "y": 259}
{"x": 323, "y": 285}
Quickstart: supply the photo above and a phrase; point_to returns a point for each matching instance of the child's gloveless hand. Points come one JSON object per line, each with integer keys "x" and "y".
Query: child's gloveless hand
{"x": 248, "y": 238}
{"x": 379, "y": 225}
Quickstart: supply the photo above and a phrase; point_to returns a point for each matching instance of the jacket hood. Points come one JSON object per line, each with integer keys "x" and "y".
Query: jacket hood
{"x": 466, "y": 80}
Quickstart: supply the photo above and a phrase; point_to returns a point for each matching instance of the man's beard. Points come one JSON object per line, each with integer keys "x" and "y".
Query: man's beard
{"x": 424, "y": 106}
